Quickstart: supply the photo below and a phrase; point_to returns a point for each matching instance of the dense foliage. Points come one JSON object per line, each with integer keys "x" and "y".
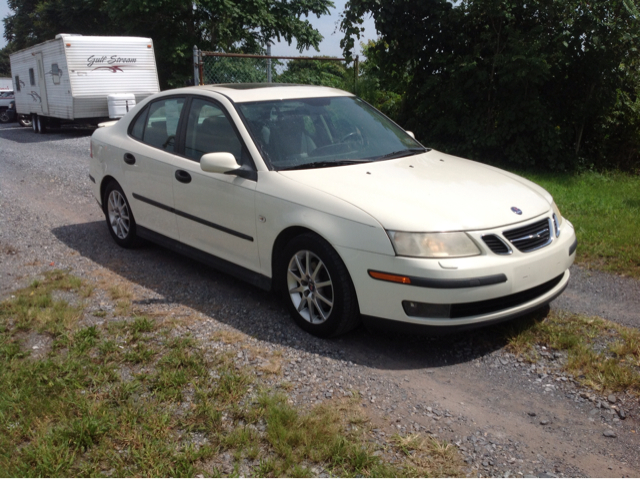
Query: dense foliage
{"x": 546, "y": 83}
{"x": 317, "y": 72}
{"x": 175, "y": 26}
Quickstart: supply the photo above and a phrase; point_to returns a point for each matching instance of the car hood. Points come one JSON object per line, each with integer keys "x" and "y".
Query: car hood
{"x": 430, "y": 192}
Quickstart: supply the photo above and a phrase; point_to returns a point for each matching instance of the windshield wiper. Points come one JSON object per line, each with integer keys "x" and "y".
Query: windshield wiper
{"x": 401, "y": 153}
{"x": 325, "y": 164}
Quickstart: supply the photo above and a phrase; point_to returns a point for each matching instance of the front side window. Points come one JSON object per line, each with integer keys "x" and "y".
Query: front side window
{"x": 160, "y": 124}
{"x": 322, "y": 132}
{"x": 32, "y": 77}
{"x": 210, "y": 131}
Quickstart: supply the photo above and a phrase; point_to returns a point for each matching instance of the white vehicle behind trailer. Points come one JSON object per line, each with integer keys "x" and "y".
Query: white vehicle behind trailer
{"x": 5, "y": 84}
{"x": 73, "y": 78}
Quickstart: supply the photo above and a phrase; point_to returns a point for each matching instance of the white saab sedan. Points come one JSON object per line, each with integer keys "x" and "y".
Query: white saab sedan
{"x": 312, "y": 192}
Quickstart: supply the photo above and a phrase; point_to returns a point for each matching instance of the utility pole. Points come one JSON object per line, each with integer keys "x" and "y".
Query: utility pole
{"x": 196, "y": 66}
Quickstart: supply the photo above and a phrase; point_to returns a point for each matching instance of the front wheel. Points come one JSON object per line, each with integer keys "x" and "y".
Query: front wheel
{"x": 317, "y": 287}
{"x": 24, "y": 120}
{"x": 117, "y": 212}
{"x": 4, "y": 116}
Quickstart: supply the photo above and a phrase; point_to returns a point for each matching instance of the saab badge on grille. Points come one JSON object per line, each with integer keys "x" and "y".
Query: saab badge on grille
{"x": 516, "y": 210}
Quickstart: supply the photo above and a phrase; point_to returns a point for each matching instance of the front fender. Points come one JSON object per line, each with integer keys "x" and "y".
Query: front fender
{"x": 282, "y": 204}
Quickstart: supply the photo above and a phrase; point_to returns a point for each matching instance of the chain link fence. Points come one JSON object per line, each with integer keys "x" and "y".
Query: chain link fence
{"x": 214, "y": 67}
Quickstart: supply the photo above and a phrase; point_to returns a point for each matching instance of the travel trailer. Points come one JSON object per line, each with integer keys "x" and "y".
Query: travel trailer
{"x": 82, "y": 79}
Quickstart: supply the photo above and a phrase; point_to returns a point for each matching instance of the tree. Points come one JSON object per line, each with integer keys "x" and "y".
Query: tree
{"x": 317, "y": 72}
{"x": 550, "y": 83}
{"x": 174, "y": 26}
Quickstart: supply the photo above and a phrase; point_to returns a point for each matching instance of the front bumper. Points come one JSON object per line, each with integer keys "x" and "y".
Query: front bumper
{"x": 463, "y": 291}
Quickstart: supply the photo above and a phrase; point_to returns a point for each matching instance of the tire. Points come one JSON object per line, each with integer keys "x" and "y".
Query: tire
{"x": 42, "y": 124}
{"x": 24, "y": 120}
{"x": 316, "y": 287}
{"x": 120, "y": 220}
{"x": 4, "y": 116}
{"x": 34, "y": 123}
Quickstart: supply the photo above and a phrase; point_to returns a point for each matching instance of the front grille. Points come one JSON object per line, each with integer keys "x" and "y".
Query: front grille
{"x": 496, "y": 245}
{"x": 531, "y": 237}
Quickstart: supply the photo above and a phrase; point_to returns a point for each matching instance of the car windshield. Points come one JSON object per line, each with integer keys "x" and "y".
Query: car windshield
{"x": 324, "y": 132}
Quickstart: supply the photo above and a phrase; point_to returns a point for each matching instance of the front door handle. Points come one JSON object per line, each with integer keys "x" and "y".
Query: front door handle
{"x": 183, "y": 177}
{"x": 129, "y": 159}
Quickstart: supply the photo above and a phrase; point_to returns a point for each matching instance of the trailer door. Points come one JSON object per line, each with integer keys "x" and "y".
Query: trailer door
{"x": 41, "y": 83}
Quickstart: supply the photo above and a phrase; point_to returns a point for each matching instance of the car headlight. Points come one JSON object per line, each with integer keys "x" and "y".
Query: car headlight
{"x": 557, "y": 218}
{"x": 433, "y": 245}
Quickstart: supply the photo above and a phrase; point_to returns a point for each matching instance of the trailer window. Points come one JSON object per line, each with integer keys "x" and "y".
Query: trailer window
{"x": 17, "y": 83}
{"x": 55, "y": 74}
{"x": 32, "y": 77}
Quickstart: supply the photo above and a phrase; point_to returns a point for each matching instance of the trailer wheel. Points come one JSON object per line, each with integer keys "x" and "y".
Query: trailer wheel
{"x": 34, "y": 123}
{"x": 42, "y": 124}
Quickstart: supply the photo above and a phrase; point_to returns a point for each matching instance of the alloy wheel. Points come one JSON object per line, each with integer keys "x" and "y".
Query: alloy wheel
{"x": 310, "y": 287}
{"x": 118, "y": 214}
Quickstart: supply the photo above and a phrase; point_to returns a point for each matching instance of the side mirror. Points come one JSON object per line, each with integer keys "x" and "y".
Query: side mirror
{"x": 218, "y": 163}
{"x": 410, "y": 133}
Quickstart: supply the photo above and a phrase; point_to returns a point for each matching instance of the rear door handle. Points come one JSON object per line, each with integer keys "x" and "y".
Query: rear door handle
{"x": 129, "y": 159}
{"x": 183, "y": 177}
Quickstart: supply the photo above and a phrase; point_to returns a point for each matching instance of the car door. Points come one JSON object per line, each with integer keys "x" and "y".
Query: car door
{"x": 215, "y": 212}
{"x": 149, "y": 165}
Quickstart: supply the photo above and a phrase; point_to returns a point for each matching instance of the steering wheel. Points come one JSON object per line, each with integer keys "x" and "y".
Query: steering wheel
{"x": 353, "y": 137}
{"x": 170, "y": 141}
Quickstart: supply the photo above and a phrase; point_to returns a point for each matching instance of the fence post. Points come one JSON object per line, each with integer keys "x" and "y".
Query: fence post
{"x": 268, "y": 61}
{"x": 356, "y": 67}
{"x": 196, "y": 67}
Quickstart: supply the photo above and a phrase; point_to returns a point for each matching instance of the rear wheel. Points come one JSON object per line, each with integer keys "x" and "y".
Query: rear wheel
{"x": 42, "y": 124}
{"x": 120, "y": 220}
{"x": 317, "y": 287}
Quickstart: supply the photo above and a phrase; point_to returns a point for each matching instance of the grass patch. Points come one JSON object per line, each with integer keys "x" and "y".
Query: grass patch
{"x": 35, "y": 308}
{"x": 128, "y": 398}
{"x": 602, "y": 355}
{"x": 604, "y": 208}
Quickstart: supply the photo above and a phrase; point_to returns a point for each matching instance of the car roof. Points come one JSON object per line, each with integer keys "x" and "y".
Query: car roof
{"x": 248, "y": 92}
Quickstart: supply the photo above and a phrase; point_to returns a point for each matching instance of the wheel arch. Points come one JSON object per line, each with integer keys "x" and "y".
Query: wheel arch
{"x": 103, "y": 185}
{"x": 279, "y": 244}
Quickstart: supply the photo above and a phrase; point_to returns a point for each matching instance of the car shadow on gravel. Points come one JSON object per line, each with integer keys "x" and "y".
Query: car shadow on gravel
{"x": 27, "y": 135}
{"x": 177, "y": 280}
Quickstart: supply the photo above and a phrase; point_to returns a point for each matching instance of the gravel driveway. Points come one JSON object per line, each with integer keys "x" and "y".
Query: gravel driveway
{"x": 507, "y": 417}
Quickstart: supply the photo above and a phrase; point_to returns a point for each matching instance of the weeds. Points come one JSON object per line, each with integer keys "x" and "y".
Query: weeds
{"x": 125, "y": 398}
{"x": 602, "y": 355}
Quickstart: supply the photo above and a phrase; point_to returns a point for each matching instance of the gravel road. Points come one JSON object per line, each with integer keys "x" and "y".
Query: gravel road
{"x": 508, "y": 418}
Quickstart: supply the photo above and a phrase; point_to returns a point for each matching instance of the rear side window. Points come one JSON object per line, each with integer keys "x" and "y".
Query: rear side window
{"x": 158, "y": 124}
{"x": 17, "y": 83}
{"x": 32, "y": 77}
{"x": 137, "y": 130}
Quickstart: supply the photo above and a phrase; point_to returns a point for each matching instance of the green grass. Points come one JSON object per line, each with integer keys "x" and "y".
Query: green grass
{"x": 126, "y": 397}
{"x": 605, "y": 211}
{"x": 602, "y": 355}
